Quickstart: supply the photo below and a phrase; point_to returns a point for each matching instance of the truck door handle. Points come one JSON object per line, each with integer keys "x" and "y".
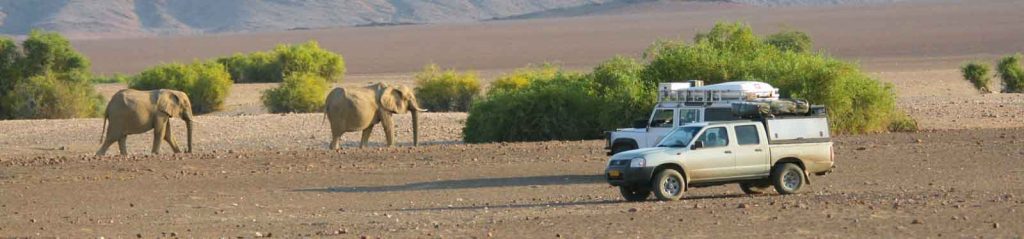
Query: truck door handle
{"x": 758, "y": 150}
{"x": 728, "y": 151}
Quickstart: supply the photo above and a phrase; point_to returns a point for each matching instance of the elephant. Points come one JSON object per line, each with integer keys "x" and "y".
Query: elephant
{"x": 135, "y": 112}
{"x": 351, "y": 109}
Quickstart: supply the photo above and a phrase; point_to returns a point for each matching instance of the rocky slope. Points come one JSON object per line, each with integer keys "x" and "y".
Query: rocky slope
{"x": 85, "y": 18}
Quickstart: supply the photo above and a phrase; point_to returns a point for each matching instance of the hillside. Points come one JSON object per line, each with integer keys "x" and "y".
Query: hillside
{"x": 122, "y": 18}
{"x": 86, "y": 18}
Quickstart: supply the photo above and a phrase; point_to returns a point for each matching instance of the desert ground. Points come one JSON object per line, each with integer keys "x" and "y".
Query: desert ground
{"x": 255, "y": 174}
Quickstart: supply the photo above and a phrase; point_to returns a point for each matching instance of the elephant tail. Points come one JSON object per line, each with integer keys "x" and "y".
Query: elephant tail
{"x": 103, "y": 132}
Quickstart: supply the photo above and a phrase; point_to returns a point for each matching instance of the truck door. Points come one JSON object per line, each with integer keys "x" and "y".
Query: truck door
{"x": 662, "y": 121}
{"x": 751, "y": 151}
{"x": 715, "y": 160}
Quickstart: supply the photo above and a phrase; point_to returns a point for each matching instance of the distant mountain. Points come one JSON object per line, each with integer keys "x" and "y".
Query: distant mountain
{"x": 101, "y": 18}
{"x": 119, "y": 18}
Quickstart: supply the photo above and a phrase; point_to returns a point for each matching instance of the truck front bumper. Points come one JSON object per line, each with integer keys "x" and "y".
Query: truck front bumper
{"x": 626, "y": 176}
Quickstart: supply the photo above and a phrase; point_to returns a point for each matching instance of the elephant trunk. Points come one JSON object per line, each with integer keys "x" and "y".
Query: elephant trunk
{"x": 415, "y": 128}
{"x": 188, "y": 124}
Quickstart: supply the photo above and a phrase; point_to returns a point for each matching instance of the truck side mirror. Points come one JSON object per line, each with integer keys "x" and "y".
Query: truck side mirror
{"x": 697, "y": 144}
{"x": 639, "y": 124}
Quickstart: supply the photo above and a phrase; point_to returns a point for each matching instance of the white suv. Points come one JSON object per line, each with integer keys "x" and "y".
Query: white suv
{"x": 683, "y": 103}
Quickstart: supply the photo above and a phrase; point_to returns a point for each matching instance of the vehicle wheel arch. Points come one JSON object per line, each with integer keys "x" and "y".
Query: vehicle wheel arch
{"x": 674, "y": 166}
{"x": 625, "y": 141}
{"x": 792, "y": 160}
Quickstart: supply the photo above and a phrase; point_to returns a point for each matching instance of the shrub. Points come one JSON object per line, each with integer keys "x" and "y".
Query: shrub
{"x": 1012, "y": 74}
{"x": 48, "y": 97}
{"x": 206, "y": 83}
{"x": 625, "y": 96}
{"x": 795, "y": 41}
{"x": 446, "y": 90}
{"x": 523, "y": 77}
{"x": 978, "y": 74}
{"x": 299, "y": 93}
{"x": 561, "y": 107}
{"x": 284, "y": 60}
{"x": 856, "y": 102}
{"x": 116, "y": 78}
{"x": 45, "y": 78}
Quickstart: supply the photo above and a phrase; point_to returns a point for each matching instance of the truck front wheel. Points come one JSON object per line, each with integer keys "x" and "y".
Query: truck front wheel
{"x": 634, "y": 194}
{"x": 788, "y": 178}
{"x": 669, "y": 185}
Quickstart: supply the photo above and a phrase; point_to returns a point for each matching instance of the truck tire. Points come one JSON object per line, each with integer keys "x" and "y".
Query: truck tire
{"x": 788, "y": 178}
{"x": 634, "y": 194}
{"x": 755, "y": 188}
{"x": 669, "y": 185}
{"x": 622, "y": 147}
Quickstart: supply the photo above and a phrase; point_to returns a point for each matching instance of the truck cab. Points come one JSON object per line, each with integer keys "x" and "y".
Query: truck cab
{"x": 681, "y": 103}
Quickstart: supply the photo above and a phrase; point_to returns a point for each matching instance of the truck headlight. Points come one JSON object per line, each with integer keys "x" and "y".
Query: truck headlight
{"x": 638, "y": 163}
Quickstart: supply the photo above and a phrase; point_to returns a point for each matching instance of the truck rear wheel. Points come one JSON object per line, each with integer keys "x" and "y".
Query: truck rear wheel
{"x": 634, "y": 194}
{"x": 755, "y": 188}
{"x": 669, "y": 185}
{"x": 788, "y": 178}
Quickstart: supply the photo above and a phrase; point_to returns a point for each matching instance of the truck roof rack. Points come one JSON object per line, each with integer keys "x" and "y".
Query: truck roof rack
{"x": 695, "y": 92}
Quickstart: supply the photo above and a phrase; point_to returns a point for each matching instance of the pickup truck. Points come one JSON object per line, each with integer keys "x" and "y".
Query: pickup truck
{"x": 758, "y": 154}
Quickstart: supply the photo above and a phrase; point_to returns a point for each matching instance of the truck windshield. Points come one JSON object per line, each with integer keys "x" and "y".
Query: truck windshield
{"x": 680, "y": 137}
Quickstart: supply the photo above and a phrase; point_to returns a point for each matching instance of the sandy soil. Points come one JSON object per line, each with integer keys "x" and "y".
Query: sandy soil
{"x": 959, "y": 183}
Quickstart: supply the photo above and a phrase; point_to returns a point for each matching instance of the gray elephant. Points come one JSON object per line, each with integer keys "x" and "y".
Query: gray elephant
{"x": 351, "y": 109}
{"x": 136, "y": 112}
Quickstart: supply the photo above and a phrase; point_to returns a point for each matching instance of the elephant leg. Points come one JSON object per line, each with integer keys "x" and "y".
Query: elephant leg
{"x": 169, "y": 137}
{"x": 336, "y": 140}
{"x": 107, "y": 141}
{"x": 366, "y": 136}
{"x": 158, "y": 134}
{"x": 122, "y": 144}
{"x": 389, "y": 129}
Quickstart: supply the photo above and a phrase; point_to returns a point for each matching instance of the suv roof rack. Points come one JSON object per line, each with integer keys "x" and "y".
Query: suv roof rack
{"x": 736, "y": 91}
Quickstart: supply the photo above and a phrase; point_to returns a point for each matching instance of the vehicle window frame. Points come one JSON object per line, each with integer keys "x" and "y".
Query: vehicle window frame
{"x": 704, "y": 133}
{"x": 756, "y": 136}
{"x": 671, "y": 118}
{"x": 696, "y": 117}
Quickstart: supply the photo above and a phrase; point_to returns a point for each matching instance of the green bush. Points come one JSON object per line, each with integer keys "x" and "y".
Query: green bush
{"x": 45, "y": 78}
{"x": 561, "y": 107}
{"x": 47, "y": 97}
{"x": 978, "y": 74}
{"x": 446, "y": 90}
{"x": 116, "y": 78}
{"x": 624, "y": 95}
{"x": 856, "y": 102}
{"x": 1012, "y": 74}
{"x": 206, "y": 83}
{"x": 299, "y": 93}
{"x": 284, "y": 60}
{"x": 523, "y": 77}
{"x": 795, "y": 41}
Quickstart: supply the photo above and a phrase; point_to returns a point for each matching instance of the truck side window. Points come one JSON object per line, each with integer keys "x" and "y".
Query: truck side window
{"x": 747, "y": 135}
{"x": 662, "y": 119}
{"x": 688, "y": 116}
{"x": 715, "y": 137}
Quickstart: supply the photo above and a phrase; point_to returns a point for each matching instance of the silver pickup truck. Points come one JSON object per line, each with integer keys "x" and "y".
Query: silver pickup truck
{"x": 757, "y": 154}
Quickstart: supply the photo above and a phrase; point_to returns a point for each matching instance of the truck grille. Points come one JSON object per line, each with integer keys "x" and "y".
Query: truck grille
{"x": 620, "y": 162}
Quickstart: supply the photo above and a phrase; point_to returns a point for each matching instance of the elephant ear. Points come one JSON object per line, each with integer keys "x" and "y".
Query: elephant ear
{"x": 169, "y": 103}
{"x": 392, "y": 100}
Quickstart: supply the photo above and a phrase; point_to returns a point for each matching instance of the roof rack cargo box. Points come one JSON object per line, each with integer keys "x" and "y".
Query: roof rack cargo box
{"x": 797, "y": 129}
